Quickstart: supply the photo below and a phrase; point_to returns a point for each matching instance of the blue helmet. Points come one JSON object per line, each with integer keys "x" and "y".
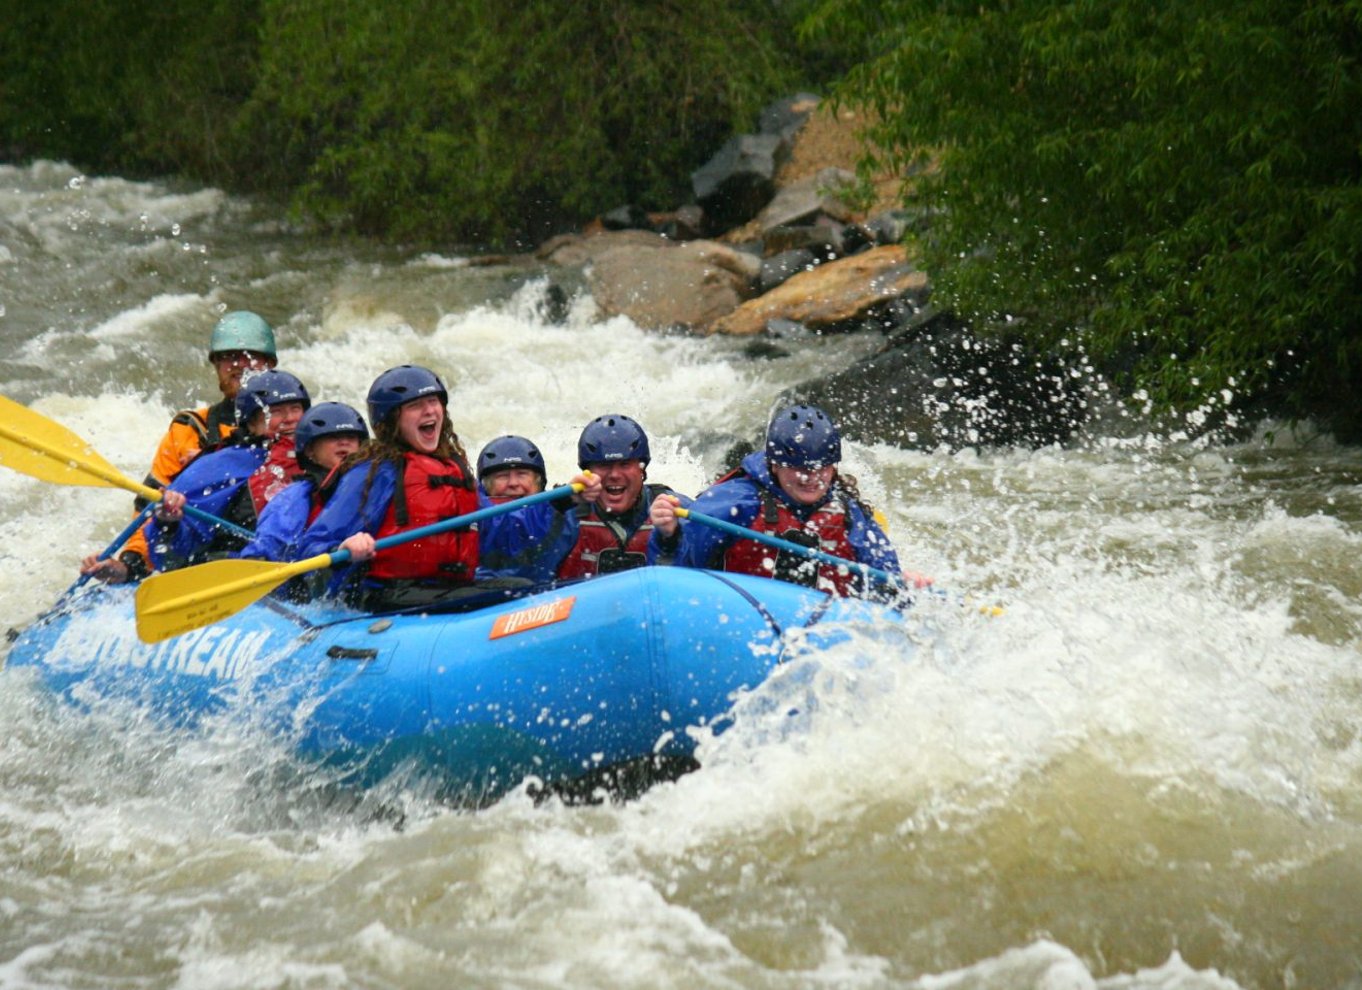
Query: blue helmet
{"x": 510, "y": 452}
{"x": 241, "y": 331}
{"x": 803, "y": 436}
{"x": 398, "y": 386}
{"x": 268, "y": 388}
{"x": 612, "y": 438}
{"x": 329, "y": 419}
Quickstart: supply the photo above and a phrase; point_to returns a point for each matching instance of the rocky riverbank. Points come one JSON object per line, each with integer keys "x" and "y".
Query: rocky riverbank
{"x": 781, "y": 240}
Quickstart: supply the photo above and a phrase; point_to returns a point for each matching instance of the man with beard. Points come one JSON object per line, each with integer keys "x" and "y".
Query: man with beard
{"x": 241, "y": 344}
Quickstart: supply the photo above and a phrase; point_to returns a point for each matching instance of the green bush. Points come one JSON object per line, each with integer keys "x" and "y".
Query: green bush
{"x": 1174, "y": 185}
{"x": 123, "y": 86}
{"x": 469, "y": 119}
{"x": 484, "y": 121}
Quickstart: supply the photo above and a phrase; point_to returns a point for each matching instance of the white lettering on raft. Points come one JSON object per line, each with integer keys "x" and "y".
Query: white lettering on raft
{"x": 214, "y": 652}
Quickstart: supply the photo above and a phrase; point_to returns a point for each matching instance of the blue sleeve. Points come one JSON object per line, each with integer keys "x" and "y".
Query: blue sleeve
{"x": 871, "y": 543}
{"x": 528, "y": 543}
{"x": 345, "y": 514}
{"x": 734, "y": 501}
{"x": 209, "y": 483}
{"x": 663, "y": 551}
{"x": 284, "y": 519}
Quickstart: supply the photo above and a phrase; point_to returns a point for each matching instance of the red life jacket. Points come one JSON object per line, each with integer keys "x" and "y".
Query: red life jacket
{"x": 827, "y": 529}
{"x": 269, "y": 479}
{"x": 604, "y": 545}
{"x": 431, "y": 489}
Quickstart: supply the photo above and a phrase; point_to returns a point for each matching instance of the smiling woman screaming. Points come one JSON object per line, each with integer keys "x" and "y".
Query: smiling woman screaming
{"x": 413, "y": 474}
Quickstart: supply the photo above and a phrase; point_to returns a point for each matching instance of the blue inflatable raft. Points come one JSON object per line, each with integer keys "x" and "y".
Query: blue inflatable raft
{"x": 565, "y": 685}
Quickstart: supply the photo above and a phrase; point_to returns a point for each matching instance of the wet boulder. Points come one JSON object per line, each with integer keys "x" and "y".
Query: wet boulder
{"x": 658, "y": 283}
{"x": 579, "y": 250}
{"x": 837, "y": 295}
{"x": 822, "y": 239}
{"x": 824, "y": 194}
{"x": 889, "y": 227}
{"x": 780, "y": 268}
{"x": 685, "y": 223}
{"x": 739, "y": 180}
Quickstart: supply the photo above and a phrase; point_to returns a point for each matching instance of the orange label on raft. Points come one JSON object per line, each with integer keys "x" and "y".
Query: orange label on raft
{"x": 532, "y": 618}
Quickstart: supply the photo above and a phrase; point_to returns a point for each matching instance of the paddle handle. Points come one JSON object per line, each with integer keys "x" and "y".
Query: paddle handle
{"x": 109, "y": 551}
{"x": 874, "y": 573}
{"x": 458, "y": 522}
{"x": 213, "y": 520}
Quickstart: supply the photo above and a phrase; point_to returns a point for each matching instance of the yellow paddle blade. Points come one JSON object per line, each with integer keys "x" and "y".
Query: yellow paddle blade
{"x": 174, "y": 602}
{"x": 34, "y": 445}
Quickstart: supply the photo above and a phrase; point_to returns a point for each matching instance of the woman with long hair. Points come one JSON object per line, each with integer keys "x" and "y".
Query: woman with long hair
{"x": 412, "y": 474}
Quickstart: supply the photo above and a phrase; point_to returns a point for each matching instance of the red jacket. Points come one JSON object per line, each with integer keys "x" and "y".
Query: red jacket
{"x": 825, "y": 529}
{"x": 431, "y": 489}
{"x": 606, "y": 543}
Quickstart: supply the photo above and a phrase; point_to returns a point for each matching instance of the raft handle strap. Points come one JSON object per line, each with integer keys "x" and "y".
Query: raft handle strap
{"x": 351, "y": 653}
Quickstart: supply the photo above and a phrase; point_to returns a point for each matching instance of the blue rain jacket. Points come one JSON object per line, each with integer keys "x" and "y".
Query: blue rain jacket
{"x": 213, "y": 482}
{"x": 282, "y": 523}
{"x": 738, "y": 501}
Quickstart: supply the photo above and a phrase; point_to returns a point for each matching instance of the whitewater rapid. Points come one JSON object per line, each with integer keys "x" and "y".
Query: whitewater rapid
{"x": 1141, "y": 774}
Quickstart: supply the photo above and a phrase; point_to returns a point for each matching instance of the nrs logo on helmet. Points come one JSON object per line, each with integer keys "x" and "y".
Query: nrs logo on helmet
{"x": 612, "y": 437}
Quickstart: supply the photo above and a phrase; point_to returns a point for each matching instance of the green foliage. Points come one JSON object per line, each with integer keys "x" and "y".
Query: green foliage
{"x": 72, "y": 87}
{"x": 123, "y": 85}
{"x": 1178, "y": 183}
{"x": 468, "y": 119}
{"x": 478, "y": 120}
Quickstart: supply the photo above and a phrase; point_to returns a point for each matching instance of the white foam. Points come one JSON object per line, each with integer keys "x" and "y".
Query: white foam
{"x": 1180, "y": 618}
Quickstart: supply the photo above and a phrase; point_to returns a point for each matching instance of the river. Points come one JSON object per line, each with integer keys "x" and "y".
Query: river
{"x": 1144, "y": 773}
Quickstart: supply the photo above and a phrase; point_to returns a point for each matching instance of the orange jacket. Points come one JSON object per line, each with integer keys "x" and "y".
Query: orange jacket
{"x": 190, "y": 431}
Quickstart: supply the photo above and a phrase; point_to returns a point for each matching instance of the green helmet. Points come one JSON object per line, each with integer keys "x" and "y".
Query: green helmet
{"x": 242, "y": 331}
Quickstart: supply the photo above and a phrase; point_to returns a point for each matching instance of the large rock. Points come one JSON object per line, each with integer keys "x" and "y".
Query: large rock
{"x": 940, "y": 384}
{"x": 658, "y": 283}
{"x": 739, "y": 180}
{"x": 823, "y": 194}
{"x": 780, "y": 268}
{"x": 575, "y": 250}
{"x": 836, "y": 293}
{"x": 785, "y": 117}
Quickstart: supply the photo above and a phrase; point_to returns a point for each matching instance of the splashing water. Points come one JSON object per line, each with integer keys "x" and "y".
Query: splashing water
{"x": 1143, "y": 773}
